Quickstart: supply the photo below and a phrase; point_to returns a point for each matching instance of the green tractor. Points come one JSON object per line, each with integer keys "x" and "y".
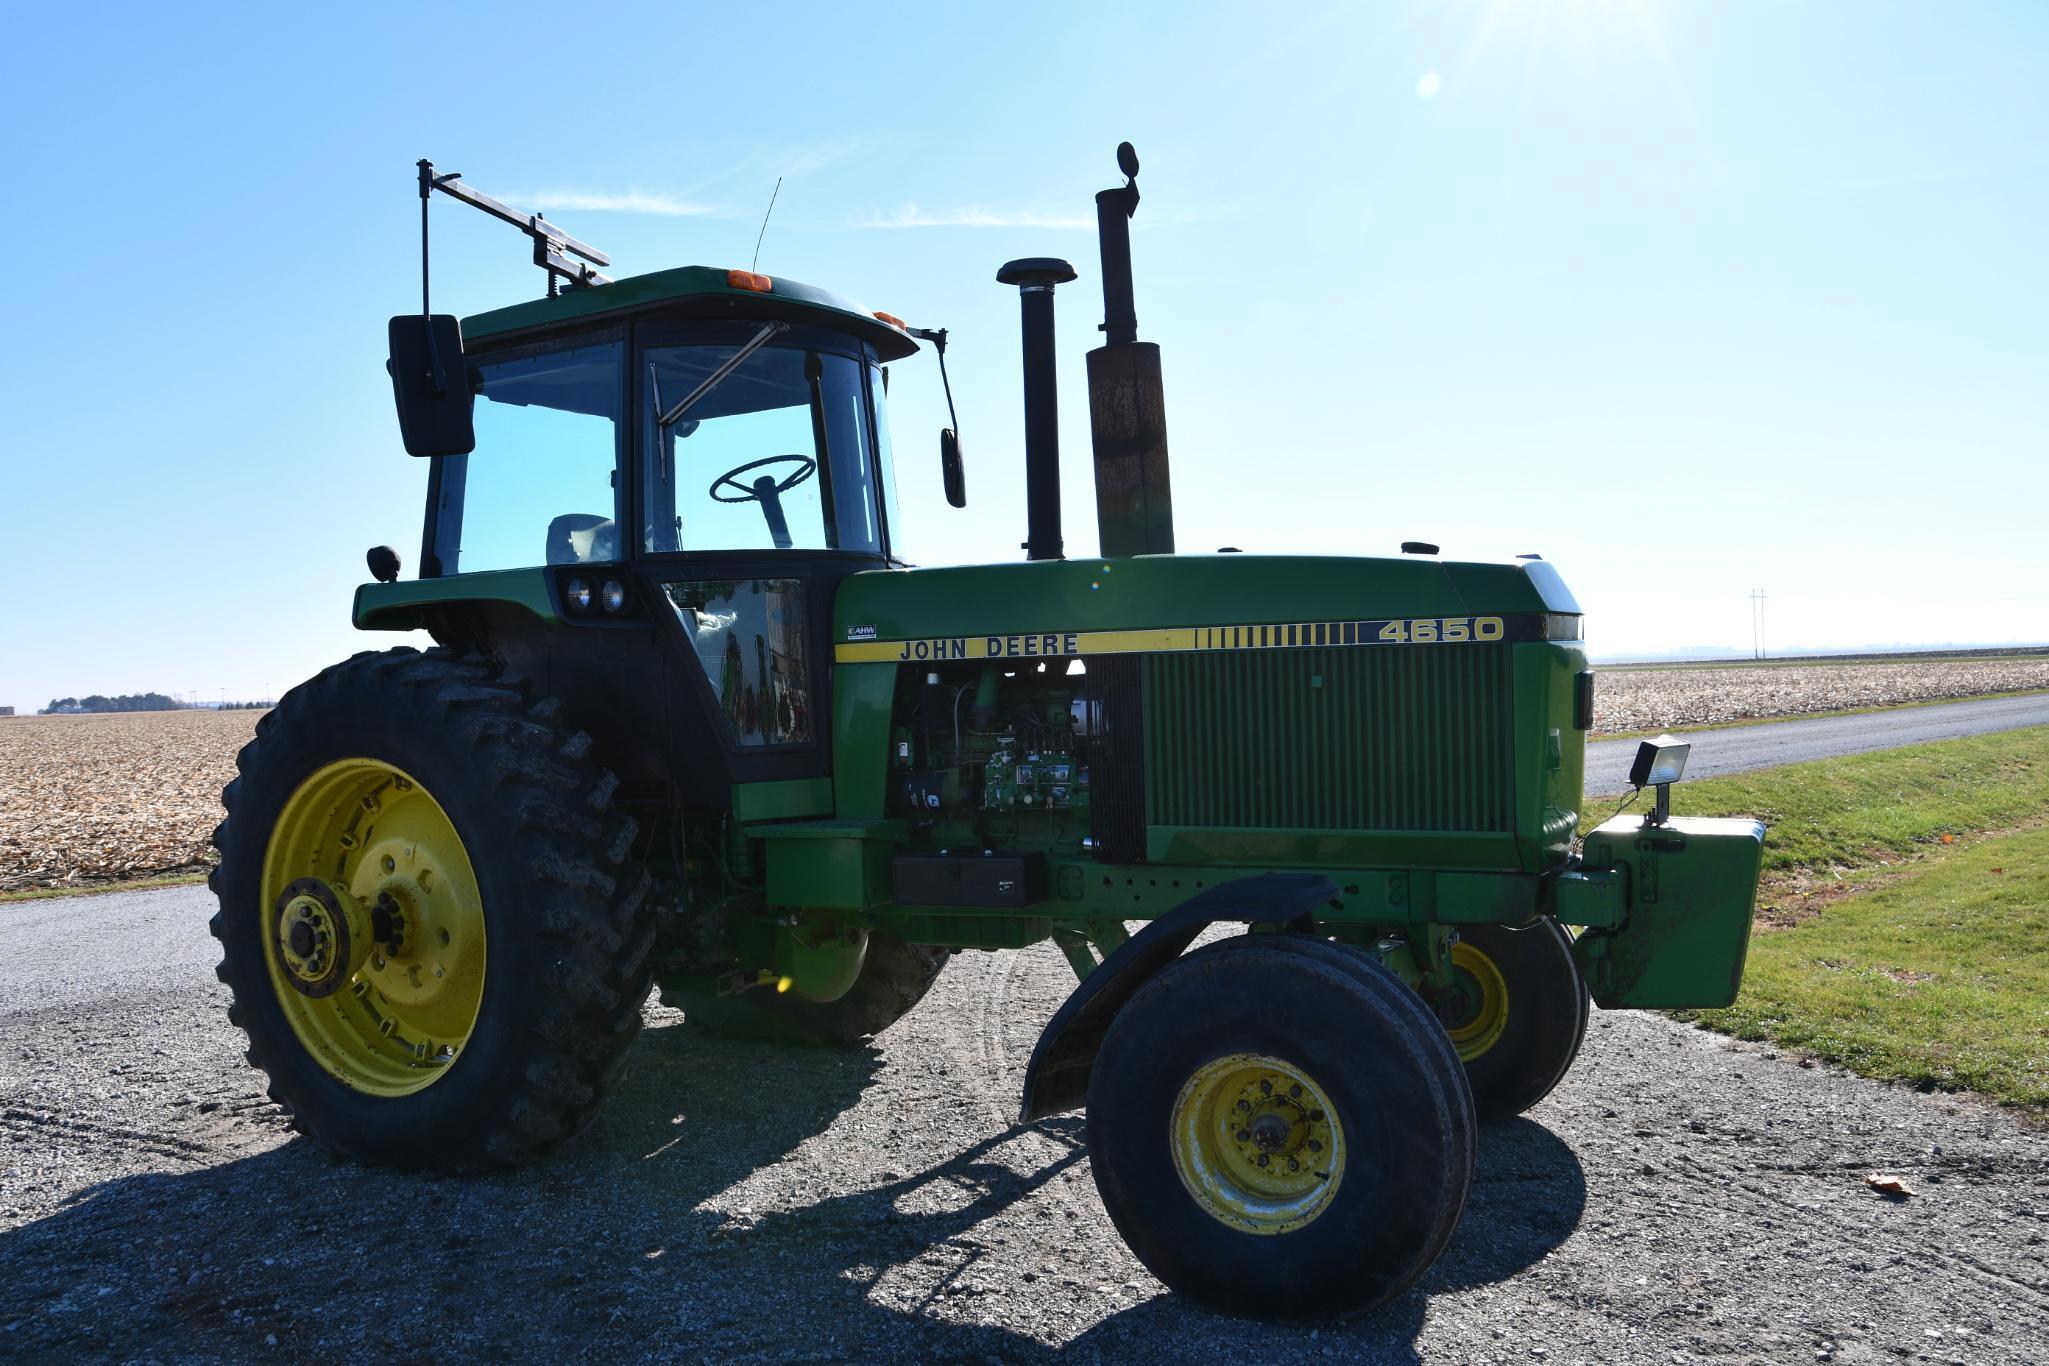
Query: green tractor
{"x": 691, "y": 723}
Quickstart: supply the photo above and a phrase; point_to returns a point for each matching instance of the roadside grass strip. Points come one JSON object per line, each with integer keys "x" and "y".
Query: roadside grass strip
{"x": 1867, "y": 810}
{"x": 1939, "y": 979}
{"x": 1905, "y": 912}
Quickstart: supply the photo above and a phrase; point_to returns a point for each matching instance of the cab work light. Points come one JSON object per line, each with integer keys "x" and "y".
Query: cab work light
{"x": 577, "y": 594}
{"x": 747, "y": 279}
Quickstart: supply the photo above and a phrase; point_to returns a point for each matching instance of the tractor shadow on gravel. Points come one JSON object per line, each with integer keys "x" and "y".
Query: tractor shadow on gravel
{"x": 642, "y": 1239}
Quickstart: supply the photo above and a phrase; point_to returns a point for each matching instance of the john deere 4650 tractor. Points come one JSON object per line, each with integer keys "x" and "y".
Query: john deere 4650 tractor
{"x": 691, "y": 721}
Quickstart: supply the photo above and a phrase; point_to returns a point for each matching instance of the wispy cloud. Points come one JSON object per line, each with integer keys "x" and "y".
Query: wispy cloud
{"x": 635, "y": 201}
{"x": 911, "y": 216}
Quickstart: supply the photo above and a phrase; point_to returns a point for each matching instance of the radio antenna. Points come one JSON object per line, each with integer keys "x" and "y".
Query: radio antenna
{"x": 764, "y": 224}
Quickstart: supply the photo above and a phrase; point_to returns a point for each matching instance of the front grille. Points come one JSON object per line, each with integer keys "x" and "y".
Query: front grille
{"x": 1412, "y": 737}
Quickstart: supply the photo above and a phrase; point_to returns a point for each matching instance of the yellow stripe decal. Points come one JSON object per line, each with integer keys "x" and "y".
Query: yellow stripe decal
{"x": 1285, "y": 635}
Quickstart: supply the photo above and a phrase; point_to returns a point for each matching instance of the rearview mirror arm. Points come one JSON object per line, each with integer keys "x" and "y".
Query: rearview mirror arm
{"x": 937, "y": 336}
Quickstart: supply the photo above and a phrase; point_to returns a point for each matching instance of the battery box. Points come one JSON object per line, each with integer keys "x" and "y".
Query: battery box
{"x": 976, "y": 879}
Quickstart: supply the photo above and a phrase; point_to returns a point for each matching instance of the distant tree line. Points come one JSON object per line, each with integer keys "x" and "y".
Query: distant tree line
{"x": 142, "y": 701}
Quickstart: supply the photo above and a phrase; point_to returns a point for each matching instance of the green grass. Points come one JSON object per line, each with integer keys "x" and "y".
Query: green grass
{"x": 1939, "y": 979}
{"x": 1878, "y": 807}
{"x": 136, "y": 885}
{"x": 1934, "y": 969}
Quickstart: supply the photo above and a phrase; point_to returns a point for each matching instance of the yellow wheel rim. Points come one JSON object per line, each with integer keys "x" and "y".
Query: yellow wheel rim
{"x": 373, "y": 930}
{"x": 1477, "y": 1015}
{"x": 1257, "y": 1144}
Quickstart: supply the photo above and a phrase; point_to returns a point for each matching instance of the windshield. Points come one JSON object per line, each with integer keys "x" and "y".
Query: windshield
{"x": 776, "y": 455}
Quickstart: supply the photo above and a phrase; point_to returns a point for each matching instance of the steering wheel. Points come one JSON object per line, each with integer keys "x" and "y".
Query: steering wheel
{"x": 766, "y": 486}
{"x": 767, "y": 490}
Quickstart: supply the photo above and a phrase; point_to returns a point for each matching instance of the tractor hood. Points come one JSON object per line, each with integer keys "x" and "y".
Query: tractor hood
{"x": 1068, "y": 607}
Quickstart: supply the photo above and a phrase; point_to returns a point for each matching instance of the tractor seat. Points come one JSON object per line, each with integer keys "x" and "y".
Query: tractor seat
{"x": 581, "y": 538}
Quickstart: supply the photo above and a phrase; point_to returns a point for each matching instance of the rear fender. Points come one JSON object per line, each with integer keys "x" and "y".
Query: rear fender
{"x": 1057, "y": 1079}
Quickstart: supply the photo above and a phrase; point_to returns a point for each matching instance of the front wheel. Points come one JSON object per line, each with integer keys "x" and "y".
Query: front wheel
{"x": 1279, "y": 1129}
{"x": 1517, "y": 1013}
{"x": 429, "y": 916}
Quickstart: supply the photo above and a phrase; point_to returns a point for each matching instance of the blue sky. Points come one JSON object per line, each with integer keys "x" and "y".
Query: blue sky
{"x": 1690, "y": 298}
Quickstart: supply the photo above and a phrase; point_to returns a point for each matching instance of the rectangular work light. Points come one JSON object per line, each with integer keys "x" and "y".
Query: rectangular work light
{"x": 1659, "y": 761}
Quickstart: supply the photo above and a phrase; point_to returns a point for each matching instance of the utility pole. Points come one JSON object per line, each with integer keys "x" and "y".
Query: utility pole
{"x": 1757, "y": 623}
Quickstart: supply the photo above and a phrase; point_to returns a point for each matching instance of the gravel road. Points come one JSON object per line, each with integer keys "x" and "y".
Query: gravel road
{"x": 1732, "y": 749}
{"x": 1682, "y": 1197}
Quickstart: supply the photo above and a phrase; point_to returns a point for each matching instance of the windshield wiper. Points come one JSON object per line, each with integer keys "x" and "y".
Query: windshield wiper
{"x": 717, "y": 377}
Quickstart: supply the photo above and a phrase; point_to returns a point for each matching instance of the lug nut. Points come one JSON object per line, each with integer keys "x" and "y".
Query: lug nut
{"x": 1266, "y": 1088}
{"x": 1245, "y": 1135}
{"x": 1296, "y": 1090}
{"x": 1314, "y": 1146}
{"x": 1262, "y": 1159}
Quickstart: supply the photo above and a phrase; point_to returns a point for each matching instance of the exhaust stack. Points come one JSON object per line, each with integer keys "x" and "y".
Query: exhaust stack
{"x": 1127, "y": 398}
{"x": 1035, "y": 278}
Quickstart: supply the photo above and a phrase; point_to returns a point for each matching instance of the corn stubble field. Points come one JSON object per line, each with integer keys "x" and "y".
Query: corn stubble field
{"x": 90, "y": 800}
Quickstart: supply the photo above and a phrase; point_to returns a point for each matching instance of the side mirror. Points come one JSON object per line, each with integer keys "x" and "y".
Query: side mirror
{"x": 950, "y": 468}
{"x": 429, "y": 382}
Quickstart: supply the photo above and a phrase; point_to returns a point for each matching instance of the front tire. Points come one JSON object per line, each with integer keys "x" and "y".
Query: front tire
{"x": 1279, "y": 1129}
{"x": 1517, "y": 1015}
{"x": 434, "y": 933}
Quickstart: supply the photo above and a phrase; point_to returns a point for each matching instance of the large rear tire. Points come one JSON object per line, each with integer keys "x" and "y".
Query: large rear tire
{"x": 429, "y": 917}
{"x": 894, "y": 977}
{"x": 1280, "y": 1129}
{"x": 1518, "y": 1015}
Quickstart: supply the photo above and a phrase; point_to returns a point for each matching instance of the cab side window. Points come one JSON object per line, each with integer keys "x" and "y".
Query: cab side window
{"x": 541, "y": 487}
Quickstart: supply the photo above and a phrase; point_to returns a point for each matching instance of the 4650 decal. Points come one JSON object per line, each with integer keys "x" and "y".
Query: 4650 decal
{"x": 1430, "y": 630}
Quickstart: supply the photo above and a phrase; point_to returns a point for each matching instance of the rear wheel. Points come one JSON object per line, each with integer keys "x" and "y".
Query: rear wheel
{"x": 1517, "y": 1013}
{"x": 894, "y": 977}
{"x": 1278, "y": 1128}
{"x": 434, "y": 933}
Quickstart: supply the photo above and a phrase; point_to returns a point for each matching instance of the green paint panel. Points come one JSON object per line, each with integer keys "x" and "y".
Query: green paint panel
{"x": 830, "y": 865}
{"x": 1178, "y": 590}
{"x": 1550, "y": 752}
{"x": 398, "y": 606}
{"x": 791, "y": 799}
{"x": 1597, "y": 899}
{"x": 861, "y": 698}
{"x": 1692, "y": 890}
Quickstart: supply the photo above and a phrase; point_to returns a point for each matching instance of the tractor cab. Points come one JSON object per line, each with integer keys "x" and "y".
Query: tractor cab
{"x": 684, "y": 465}
{"x": 670, "y": 424}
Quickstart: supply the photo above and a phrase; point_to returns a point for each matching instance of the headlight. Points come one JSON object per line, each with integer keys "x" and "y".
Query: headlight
{"x": 1659, "y": 761}
{"x": 613, "y": 596}
{"x": 577, "y": 593}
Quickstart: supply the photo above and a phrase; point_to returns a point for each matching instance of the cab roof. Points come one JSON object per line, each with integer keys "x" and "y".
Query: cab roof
{"x": 694, "y": 292}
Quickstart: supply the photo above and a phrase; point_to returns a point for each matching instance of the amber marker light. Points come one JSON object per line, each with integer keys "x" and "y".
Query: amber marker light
{"x": 747, "y": 279}
{"x": 898, "y": 323}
